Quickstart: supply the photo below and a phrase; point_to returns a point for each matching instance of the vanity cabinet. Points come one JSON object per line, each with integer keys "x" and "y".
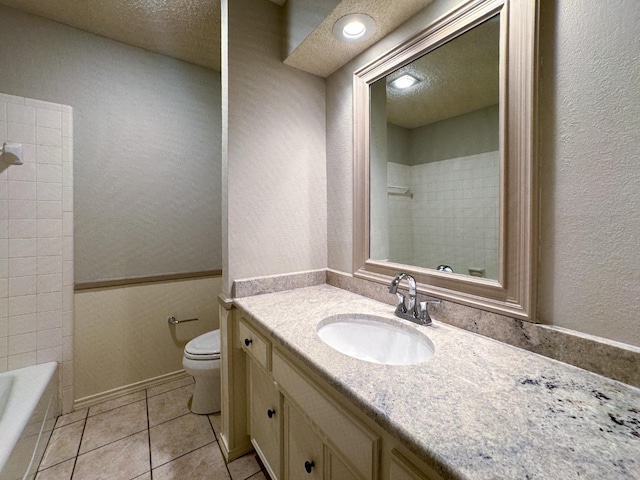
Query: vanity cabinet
{"x": 264, "y": 401}
{"x": 303, "y": 430}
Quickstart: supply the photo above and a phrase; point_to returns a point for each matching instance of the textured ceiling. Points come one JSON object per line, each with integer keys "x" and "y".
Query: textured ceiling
{"x": 459, "y": 77}
{"x": 185, "y": 29}
{"x": 322, "y": 54}
{"x": 189, "y": 30}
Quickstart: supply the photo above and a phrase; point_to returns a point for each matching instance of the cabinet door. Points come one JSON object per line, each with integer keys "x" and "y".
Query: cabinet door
{"x": 336, "y": 470}
{"x": 264, "y": 418}
{"x": 353, "y": 440}
{"x": 402, "y": 469}
{"x": 303, "y": 448}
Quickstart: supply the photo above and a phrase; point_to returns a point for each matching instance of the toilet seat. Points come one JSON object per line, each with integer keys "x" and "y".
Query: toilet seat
{"x": 204, "y": 347}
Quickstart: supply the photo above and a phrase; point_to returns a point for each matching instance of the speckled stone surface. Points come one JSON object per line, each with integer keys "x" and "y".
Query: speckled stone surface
{"x": 479, "y": 409}
{"x": 611, "y": 359}
{"x": 277, "y": 283}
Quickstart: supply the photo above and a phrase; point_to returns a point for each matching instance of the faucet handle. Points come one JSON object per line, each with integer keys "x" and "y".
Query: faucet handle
{"x": 423, "y": 314}
{"x": 401, "y": 307}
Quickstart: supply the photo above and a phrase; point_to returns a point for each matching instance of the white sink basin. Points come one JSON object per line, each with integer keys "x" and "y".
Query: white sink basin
{"x": 375, "y": 339}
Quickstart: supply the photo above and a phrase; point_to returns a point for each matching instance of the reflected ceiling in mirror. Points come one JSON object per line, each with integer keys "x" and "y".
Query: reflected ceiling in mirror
{"x": 435, "y": 157}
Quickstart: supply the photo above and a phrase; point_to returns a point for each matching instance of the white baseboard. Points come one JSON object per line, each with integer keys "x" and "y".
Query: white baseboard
{"x": 127, "y": 389}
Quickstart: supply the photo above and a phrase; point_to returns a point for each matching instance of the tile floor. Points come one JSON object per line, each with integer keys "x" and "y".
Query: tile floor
{"x": 147, "y": 435}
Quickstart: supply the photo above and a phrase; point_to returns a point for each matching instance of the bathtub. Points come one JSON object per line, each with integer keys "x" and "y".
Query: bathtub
{"x": 28, "y": 409}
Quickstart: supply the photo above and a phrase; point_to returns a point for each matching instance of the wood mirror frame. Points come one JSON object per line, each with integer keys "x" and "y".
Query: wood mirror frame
{"x": 513, "y": 293}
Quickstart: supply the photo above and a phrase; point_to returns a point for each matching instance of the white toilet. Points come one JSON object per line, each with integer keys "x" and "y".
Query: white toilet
{"x": 202, "y": 361}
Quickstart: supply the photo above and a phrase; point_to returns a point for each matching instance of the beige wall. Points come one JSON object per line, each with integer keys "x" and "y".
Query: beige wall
{"x": 122, "y": 336}
{"x": 273, "y": 152}
{"x": 590, "y": 168}
{"x": 147, "y": 146}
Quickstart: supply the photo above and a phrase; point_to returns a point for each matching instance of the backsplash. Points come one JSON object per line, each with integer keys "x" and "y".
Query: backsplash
{"x": 36, "y": 239}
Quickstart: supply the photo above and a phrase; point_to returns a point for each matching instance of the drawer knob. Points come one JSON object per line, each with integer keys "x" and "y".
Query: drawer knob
{"x": 271, "y": 413}
{"x": 308, "y": 466}
{"x": 248, "y": 341}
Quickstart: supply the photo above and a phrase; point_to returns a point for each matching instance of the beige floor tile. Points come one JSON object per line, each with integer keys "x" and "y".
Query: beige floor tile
{"x": 62, "y": 471}
{"x": 176, "y": 437}
{"x": 63, "y": 444}
{"x": 114, "y": 425}
{"x": 243, "y": 467}
{"x": 144, "y": 476}
{"x": 216, "y": 423}
{"x": 71, "y": 417}
{"x": 258, "y": 476}
{"x": 203, "y": 464}
{"x": 124, "y": 459}
{"x": 169, "y": 405}
{"x": 165, "y": 387}
{"x": 116, "y": 402}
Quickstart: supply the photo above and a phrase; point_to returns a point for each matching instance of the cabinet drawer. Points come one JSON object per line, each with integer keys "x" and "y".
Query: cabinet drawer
{"x": 355, "y": 444}
{"x": 254, "y": 344}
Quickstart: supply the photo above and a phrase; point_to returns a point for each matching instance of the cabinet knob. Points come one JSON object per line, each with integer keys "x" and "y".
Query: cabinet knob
{"x": 271, "y": 413}
{"x": 248, "y": 341}
{"x": 308, "y": 466}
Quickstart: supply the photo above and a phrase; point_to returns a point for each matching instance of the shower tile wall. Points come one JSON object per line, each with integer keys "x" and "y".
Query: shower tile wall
{"x": 400, "y": 214}
{"x": 36, "y": 238}
{"x": 454, "y": 213}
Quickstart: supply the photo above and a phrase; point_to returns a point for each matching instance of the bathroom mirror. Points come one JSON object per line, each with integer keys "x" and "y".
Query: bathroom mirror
{"x": 435, "y": 157}
{"x": 444, "y": 167}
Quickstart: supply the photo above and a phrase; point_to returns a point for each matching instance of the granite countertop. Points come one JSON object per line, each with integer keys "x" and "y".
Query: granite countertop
{"x": 479, "y": 409}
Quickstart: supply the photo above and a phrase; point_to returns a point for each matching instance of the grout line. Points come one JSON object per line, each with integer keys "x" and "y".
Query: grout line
{"x": 111, "y": 442}
{"x": 45, "y": 448}
{"x": 185, "y": 453}
{"x": 114, "y": 408}
{"x": 170, "y": 390}
{"x": 226, "y": 464}
{"x": 39, "y": 469}
{"x": 175, "y": 418}
{"x": 146, "y": 399}
{"x": 75, "y": 460}
{"x": 148, "y": 429}
{"x": 215, "y": 435}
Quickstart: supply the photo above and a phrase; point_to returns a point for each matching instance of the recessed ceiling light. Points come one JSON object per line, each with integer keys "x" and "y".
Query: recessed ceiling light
{"x": 355, "y": 27}
{"x": 405, "y": 81}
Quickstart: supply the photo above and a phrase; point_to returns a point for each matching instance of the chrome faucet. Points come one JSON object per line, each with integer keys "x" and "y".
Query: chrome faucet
{"x": 416, "y": 312}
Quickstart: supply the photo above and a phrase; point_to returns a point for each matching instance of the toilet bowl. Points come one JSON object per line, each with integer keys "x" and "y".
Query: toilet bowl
{"x": 202, "y": 361}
